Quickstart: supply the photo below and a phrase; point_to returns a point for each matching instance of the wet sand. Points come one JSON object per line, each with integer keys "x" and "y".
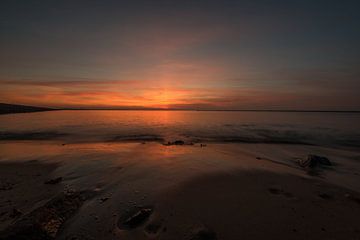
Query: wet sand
{"x": 152, "y": 191}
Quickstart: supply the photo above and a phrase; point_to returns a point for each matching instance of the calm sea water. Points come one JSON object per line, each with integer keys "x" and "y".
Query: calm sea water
{"x": 342, "y": 129}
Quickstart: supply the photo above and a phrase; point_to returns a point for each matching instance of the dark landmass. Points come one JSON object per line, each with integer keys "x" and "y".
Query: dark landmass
{"x": 14, "y": 108}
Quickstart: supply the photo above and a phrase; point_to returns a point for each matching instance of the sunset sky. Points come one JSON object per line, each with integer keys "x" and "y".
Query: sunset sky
{"x": 294, "y": 54}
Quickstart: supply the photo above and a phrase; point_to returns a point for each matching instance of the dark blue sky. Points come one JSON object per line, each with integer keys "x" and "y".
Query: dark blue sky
{"x": 203, "y": 54}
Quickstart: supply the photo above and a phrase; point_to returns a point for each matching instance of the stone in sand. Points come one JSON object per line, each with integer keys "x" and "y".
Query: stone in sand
{"x": 138, "y": 218}
{"x": 314, "y": 161}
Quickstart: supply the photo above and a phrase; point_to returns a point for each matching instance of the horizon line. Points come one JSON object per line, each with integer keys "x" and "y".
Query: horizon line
{"x": 182, "y": 109}
{"x": 205, "y": 110}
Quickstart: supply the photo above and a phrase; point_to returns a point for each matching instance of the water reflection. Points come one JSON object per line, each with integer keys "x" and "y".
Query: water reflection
{"x": 196, "y": 126}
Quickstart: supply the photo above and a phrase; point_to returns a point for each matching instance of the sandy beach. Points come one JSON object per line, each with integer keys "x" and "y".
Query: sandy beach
{"x": 179, "y": 120}
{"x": 153, "y": 191}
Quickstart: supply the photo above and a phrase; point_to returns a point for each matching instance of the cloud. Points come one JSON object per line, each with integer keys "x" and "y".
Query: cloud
{"x": 136, "y": 94}
{"x": 180, "y": 85}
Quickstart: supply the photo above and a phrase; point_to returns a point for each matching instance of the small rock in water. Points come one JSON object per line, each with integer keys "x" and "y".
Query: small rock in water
{"x": 177, "y": 142}
{"x": 54, "y": 181}
{"x": 138, "y": 218}
{"x": 314, "y": 161}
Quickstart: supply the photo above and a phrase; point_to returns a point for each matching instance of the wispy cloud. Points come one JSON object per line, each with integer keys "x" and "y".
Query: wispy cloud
{"x": 120, "y": 93}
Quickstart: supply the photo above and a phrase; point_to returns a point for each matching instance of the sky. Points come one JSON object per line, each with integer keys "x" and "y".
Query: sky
{"x": 188, "y": 54}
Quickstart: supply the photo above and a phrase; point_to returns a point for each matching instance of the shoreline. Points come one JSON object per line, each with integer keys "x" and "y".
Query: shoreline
{"x": 68, "y": 138}
{"x": 220, "y": 189}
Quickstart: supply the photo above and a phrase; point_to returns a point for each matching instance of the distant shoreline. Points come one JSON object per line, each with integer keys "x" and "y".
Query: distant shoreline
{"x": 211, "y": 110}
{"x": 14, "y": 108}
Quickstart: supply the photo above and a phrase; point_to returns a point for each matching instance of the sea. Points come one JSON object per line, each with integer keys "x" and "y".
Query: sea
{"x": 339, "y": 129}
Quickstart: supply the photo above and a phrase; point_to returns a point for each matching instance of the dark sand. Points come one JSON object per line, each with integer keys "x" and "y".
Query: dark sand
{"x": 151, "y": 191}
{"x": 259, "y": 205}
{"x": 22, "y": 189}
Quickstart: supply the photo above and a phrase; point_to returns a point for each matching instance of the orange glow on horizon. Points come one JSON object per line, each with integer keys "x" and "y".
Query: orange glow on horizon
{"x": 168, "y": 85}
{"x": 136, "y": 94}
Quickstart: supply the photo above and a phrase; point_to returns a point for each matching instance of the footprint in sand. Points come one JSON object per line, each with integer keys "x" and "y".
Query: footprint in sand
{"x": 136, "y": 219}
{"x": 279, "y": 191}
{"x": 325, "y": 196}
{"x": 153, "y": 228}
{"x": 353, "y": 198}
